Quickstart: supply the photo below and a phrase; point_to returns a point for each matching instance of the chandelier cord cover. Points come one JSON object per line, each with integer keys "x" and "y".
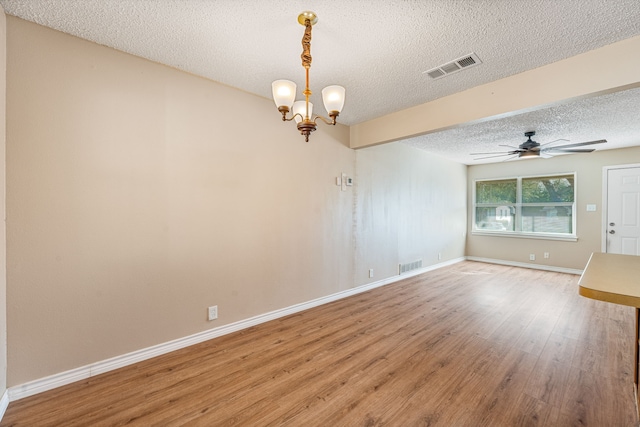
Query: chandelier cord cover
{"x": 284, "y": 91}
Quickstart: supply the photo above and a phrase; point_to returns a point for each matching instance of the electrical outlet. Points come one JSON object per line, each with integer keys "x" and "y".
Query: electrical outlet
{"x": 371, "y": 272}
{"x": 532, "y": 257}
{"x": 439, "y": 255}
{"x": 213, "y": 312}
{"x": 546, "y": 254}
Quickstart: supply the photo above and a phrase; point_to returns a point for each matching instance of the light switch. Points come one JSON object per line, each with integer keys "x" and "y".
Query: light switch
{"x": 591, "y": 208}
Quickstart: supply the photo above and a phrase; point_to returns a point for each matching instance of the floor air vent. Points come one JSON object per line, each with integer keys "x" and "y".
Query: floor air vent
{"x": 404, "y": 268}
{"x": 459, "y": 64}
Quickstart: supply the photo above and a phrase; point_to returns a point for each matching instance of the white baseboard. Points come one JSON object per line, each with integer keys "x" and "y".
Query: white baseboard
{"x": 4, "y": 403}
{"x": 526, "y": 265}
{"x": 57, "y": 380}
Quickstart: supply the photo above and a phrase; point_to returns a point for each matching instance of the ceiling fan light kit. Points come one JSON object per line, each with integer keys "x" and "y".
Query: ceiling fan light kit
{"x": 531, "y": 149}
{"x": 284, "y": 91}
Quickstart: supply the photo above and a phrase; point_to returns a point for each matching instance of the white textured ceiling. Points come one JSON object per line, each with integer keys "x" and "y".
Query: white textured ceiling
{"x": 378, "y": 50}
{"x": 614, "y": 117}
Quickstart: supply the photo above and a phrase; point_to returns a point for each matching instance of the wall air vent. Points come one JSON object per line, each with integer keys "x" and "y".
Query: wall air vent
{"x": 459, "y": 64}
{"x": 405, "y": 268}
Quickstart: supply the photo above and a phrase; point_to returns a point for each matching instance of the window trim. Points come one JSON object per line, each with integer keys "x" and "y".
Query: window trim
{"x": 518, "y": 205}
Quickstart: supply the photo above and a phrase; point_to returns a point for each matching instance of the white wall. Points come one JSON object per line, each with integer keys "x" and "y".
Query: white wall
{"x": 410, "y": 205}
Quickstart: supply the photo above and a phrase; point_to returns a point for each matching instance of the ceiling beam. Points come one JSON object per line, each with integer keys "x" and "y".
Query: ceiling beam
{"x": 605, "y": 70}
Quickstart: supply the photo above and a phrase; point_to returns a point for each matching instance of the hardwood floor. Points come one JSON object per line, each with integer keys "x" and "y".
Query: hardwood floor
{"x": 468, "y": 345}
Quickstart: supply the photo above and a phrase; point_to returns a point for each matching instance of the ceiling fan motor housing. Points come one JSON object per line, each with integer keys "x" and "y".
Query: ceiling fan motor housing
{"x": 529, "y": 143}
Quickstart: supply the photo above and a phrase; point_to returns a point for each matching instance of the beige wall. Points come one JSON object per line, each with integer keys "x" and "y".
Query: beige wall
{"x": 3, "y": 236}
{"x": 138, "y": 195}
{"x": 572, "y": 255}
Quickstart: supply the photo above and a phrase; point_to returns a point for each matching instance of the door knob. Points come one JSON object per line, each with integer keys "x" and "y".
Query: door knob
{"x": 612, "y": 232}
{"x": 612, "y": 224}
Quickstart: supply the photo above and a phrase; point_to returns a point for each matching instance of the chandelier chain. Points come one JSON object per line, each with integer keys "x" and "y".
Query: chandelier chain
{"x": 306, "y": 45}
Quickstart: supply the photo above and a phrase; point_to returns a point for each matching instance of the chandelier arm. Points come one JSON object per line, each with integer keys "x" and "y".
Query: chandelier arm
{"x": 331, "y": 122}
{"x": 288, "y": 119}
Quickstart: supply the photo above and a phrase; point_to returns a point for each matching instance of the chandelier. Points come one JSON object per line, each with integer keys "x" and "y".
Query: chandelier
{"x": 284, "y": 91}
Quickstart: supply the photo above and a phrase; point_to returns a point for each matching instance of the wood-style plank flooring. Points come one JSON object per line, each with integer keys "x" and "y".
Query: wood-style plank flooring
{"x": 472, "y": 344}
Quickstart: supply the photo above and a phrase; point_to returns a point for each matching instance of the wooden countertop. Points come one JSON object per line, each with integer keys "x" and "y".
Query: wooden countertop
{"x": 612, "y": 278}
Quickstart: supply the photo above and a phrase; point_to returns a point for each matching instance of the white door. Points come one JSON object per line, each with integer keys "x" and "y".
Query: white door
{"x": 623, "y": 211}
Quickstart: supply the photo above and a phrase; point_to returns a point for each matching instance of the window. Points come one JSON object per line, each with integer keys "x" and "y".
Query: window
{"x": 526, "y": 206}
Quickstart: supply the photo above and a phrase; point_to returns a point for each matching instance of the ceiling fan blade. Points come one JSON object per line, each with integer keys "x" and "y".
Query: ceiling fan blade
{"x": 545, "y": 155}
{"x": 569, "y": 150}
{"x": 514, "y": 156}
{"x": 551, "y": 142}
{"x": 494, "y": 152}
{"x": 580, "y": 144}
{"x": 491, "y": 157}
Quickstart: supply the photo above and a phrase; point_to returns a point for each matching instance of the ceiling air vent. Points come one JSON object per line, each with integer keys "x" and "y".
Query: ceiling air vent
{"x": 435, "y": 73}
{"x": 459, "y": 64}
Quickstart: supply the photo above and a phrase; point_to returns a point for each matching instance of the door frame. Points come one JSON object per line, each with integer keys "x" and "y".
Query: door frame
{"x": 605, "y": 200}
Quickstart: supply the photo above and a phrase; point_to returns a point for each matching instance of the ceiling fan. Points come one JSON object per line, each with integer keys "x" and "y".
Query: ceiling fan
{"x": 531, "y": 149}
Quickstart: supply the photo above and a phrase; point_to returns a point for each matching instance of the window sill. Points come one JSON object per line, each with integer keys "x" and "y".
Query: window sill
{"x": 540, "y": 236}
